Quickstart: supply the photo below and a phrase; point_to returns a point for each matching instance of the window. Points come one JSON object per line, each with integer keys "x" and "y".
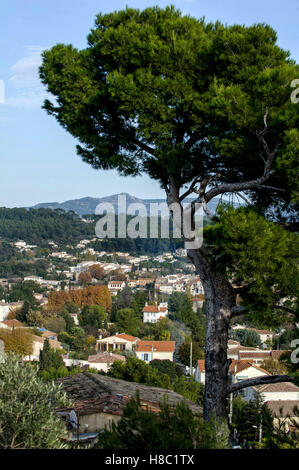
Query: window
{"x": 146, "y": 357}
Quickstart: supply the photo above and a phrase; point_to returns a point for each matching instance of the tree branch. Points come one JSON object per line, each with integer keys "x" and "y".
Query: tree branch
{"x": 238, "y": 310}
{"x": 267, "y": 379}
{"x": 247, "y": 185}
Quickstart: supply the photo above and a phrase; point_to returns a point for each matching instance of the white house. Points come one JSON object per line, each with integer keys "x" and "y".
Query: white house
{"x": 149, "y": 350}
{"x": 234, "y": 352}
{"x": 102, "y": 361}
{"x": 116, "y": 286}
{"x": 121, "y": 342}
{"x": 200, "y": 371}
{"x": 4, "y": 310}
{"x": 242, "y": 370}
{"x": 274, "y": 392}
{"x": 153, "y": 313}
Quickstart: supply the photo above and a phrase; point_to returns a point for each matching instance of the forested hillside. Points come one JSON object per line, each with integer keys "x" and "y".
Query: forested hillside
{"x": 36, "y": 226}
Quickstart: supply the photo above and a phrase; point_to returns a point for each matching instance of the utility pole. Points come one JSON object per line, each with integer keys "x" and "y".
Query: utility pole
{"x": 261, "y": 428}
{"x": 230, "y": 408}
{"x": 191, "y": 359}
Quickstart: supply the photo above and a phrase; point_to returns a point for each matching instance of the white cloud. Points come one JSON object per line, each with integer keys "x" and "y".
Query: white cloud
{"x": 25, "y": 86}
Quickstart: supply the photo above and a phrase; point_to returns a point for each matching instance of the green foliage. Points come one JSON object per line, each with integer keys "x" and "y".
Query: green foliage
{"x": 157, "y": 374}
{"x": 49, "y": 358}
{"x": 247, "y": 417}
{"x": 75, "y": 340}
{"x": 189, "y": 388}
{"x": 93, "y": 315}
{"x": 173, "y": 428}
{"x": 135, "y": 370}
{"x": 184, "y": 353}
{"x": 127, "y": 321}
{"x": 167, "y": 367}
{"x": 170, "y": 95}
{"x": 247, "y": 338}
{"x": 284, "y": 434}
{"x": 40, "y": 225}
{"x": 259, "y": 255}
{"x": 27, "y": 418}
{"x": 180, "y": 308}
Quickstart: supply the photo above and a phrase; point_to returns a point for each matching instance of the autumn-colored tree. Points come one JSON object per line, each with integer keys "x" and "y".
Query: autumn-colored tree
{"x": 97, "y": 272}
{"x": 118, "y": 275}
{"x": 84, "y": 278}
{"x": 18, "y": 341}
{"x": 90, "y": 295}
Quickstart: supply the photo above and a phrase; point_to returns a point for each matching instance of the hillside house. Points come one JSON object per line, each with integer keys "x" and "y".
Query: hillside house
{"x": 149, "y": 350}
{"x": 120, "y": 342}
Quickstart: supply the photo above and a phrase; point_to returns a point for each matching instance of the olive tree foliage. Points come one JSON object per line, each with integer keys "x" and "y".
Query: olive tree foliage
{"x": 27, "y": 417}
{"x": 204, "y": 109}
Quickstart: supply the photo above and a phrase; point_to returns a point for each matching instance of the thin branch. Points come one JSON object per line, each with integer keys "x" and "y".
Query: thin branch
{"x": 144, "y": 147}
{"x": 286, "y": 309}
{"x": 266, "y": 379}
{"x": 190, "y": 190}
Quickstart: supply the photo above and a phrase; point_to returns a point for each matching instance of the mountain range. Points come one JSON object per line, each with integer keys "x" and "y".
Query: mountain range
{"x": 88, "y": 205}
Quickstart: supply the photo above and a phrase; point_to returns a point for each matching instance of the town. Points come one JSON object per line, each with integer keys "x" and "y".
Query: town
{"x": 149, "y": 229}
{"x": 102, "y": 314}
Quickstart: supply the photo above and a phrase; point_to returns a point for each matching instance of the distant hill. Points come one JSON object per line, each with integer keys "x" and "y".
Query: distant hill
{"x": 87, "y": 205}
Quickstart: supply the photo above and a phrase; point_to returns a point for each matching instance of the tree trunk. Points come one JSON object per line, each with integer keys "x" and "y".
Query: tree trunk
{"x": 219, "y": 300}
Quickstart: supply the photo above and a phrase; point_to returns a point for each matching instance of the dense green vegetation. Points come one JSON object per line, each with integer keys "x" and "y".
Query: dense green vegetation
{"x": 27, "y": 403}
{"x": 162, "y": 375}
{"x": 38, "y": 226}
{"x": 173, "y": 428}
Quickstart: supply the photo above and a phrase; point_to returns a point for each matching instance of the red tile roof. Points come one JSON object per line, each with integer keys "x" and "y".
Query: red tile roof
{"x": 238, "y": 366}
{"x": 14, "y": 322}
{"x": 156, "y": 346}
{"x": 105, "y": 358}
{"x": 151, "y": 308}
{"x": 201, "y": 365}
{"x": 126, "y": 337}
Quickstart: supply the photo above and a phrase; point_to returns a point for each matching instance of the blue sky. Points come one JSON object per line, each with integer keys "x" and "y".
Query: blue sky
{"x": 38, "y": 161}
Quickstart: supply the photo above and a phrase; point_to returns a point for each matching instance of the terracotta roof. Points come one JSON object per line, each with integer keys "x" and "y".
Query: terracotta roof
{"x": 151, "y": 308}
{"x": 163, "y": 309}
{"x": 126, "y": 337}
{"x": 201, "y": 365}
{"x": 15, "y": 323}
{"x": 48, "y": 334}
{"x": 277, "y": 353}
{"x": 241, "y": 348}
{"x": 158, "y": 346}
{"x": 283, "y": 408}
{"x": 53, "y": 343}
{"x": 87, "y": 386}
{"x": 243, "y": 365}
{"x": 105, "y": 358}
{"x": 277, "y": 387}
{"x": 113, "y": 405}
{"x": 254, "y": 354}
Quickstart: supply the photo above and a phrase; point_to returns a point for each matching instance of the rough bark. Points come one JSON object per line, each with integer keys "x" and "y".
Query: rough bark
{"x": 219, "y": 300}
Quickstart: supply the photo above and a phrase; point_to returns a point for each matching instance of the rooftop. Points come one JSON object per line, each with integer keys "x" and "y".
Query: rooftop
{"x": 156, "y": 346}
{"x": 87, "y": 386}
